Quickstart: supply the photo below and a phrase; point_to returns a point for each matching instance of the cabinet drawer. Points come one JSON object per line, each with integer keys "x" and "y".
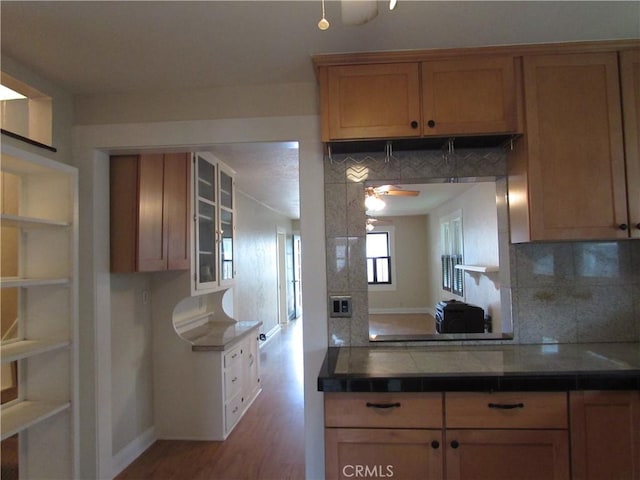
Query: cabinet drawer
{"x": 506, "y": 410}
{"x": 233, "y": 356}
{"x": 376, "y": 410}
{"x": 232, "y": 380}
{"x": 232, "y": 412}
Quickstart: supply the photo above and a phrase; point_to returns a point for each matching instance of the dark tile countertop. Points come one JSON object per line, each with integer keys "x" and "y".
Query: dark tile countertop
{"x": 547, "y": 367}
{"x": 218, "y": 336}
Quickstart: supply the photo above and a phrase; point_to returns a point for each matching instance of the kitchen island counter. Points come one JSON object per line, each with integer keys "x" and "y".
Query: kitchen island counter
{"x": 543, "y": 367}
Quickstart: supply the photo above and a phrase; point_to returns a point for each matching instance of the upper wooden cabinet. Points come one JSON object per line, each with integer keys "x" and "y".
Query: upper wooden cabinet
{"x": 469, "y": 96}
{"x": 371, "y": 101}
{"x": 630, "y": 81}
{"x": 150, "y": 199}
{"x": 459, "y": 96}
{"x": 567, "y": 176}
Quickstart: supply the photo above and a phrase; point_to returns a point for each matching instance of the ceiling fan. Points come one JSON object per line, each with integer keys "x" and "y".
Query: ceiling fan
{"x": 384, "y": 190}
{"x": 373, "y": 222}
{"x": 355, "y": 12}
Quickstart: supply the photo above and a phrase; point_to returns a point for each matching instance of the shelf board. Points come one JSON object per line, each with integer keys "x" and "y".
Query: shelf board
{"x": 12, "y": 282}
{"x": 22, "y": 415}
{"x": 29, "y": 348}
{"x": 20, "y": 221}
{"x": 478, "y": 268}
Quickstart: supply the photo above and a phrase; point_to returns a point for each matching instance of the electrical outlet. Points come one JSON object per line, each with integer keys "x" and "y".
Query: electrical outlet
{"x": 145, "y": 297}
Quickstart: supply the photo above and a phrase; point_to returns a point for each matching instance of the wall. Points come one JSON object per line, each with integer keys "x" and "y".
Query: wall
{"x": 557, "y": 292}
{"x": 199, "y": 104}
{"x": 131, "y": 358}
{"x": 480, "y": 247}
{"x": 256, "y": 292}
{"x": 411, "y": 275}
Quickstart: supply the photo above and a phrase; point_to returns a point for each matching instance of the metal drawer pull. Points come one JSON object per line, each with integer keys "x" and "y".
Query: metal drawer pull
{"x": 383, "y": 405}
{"x": 505, "y": 406}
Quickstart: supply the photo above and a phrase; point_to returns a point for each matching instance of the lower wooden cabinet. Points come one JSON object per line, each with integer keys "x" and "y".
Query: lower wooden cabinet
{"x": 507, "y": 454}
{"x": 605, "y": 435}
{"x": 504, "y": 435}
{"x": 383, "y": 453}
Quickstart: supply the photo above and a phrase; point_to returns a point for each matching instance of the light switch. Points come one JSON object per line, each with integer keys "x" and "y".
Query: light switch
{"x": 340, "y": 306}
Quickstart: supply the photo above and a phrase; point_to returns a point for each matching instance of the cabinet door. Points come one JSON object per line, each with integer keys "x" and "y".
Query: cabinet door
{"x": 630, "y": 80}
{"x": 227, "y": 226}
{"x": 372, "y": 101}
{"x": 383, "y": 453}
{"x": 152, "y": 236}
{"x": 575, "y": 152}
{"x": 206, "y": 241}
{"x": 605, "y": 435}
{"x": 507, "y": 454}
{"x": 177, "y": 191}
{"x": 468, "y": 96}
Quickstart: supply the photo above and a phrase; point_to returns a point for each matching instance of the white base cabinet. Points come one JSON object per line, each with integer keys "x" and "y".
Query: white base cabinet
{"x": 39, "y": 312}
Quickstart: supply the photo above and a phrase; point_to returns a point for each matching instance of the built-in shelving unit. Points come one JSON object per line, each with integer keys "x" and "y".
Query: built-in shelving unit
{"x": 39, "y": 216}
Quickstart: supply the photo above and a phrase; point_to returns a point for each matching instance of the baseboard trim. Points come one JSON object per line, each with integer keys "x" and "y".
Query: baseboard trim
{"x": 133, "y": 450}
{"x": 270, "y": 335}
{"x": 374, "y": 311}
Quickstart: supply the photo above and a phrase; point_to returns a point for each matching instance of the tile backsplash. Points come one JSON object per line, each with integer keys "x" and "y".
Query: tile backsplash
{"x": 564, "y": 292}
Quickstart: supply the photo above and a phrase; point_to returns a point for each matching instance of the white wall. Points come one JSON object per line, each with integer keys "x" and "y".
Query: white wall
{"x": 131, "y": 355}
{"x": 257, "y": 267}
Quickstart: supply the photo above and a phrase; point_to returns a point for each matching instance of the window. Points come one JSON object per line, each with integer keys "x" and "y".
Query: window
{"x": 378, "y": 258}
{"x": 452, "y": 254}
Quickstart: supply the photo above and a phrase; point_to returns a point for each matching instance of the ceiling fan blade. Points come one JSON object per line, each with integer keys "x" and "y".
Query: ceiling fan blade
{"x": 402, "y": 193}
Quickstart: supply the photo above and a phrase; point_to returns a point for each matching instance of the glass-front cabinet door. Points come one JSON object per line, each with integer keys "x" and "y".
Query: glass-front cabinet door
{"x": 227, "y": 227}
{"x": 214, "y": 214}
{"x": 206, "y": 273}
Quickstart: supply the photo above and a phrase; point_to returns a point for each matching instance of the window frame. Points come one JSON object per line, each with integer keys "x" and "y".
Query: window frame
{"x": 452, "y": 253}
{"x": 391, "y": 285}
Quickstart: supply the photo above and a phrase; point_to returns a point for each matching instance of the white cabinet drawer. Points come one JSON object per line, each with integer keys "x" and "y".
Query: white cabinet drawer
{"x": 233, "y": 356}
{"x": 232, "y": 412}
{"x": 232, "y": 381}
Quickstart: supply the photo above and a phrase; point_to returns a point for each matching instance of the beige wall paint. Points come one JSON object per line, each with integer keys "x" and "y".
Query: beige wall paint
{"x": 257, "y": 267}
{"x": 200, "y": 104}
{"x": 411, "y": 276}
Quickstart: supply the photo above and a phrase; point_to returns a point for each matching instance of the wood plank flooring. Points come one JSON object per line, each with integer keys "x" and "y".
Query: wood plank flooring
{"x": 402, "y": 324}
{"x": 267, "y": 444}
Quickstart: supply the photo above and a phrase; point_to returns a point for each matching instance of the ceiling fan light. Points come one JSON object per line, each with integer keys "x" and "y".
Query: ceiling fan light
{"x": 358, "y": 12}
{"x": 374, "y": 203}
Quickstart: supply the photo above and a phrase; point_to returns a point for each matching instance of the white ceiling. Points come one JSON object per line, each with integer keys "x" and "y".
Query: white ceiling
{"x": 92, "y": 47}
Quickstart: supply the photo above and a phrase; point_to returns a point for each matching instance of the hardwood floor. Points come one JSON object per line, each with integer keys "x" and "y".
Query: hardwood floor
{"x": 402, "y": 324}
{"x": 267, "y": 444}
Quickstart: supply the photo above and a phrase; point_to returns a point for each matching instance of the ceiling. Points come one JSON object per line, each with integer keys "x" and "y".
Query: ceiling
{"x": 93, "y": 48}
